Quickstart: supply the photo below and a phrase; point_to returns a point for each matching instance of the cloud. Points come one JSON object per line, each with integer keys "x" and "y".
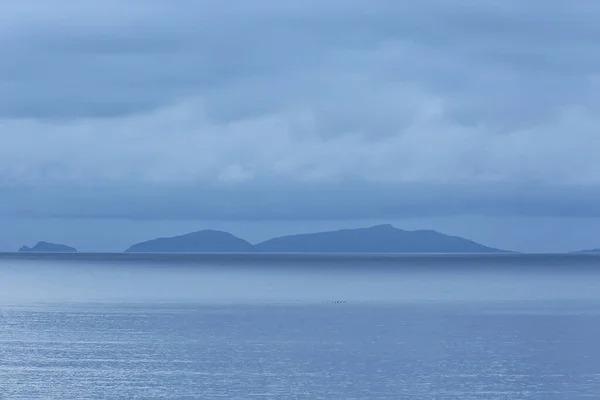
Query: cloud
{"x": 490, "y": 104}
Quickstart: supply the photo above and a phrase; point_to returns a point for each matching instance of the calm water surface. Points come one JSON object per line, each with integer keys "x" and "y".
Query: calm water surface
{"x": 299, "y": 327}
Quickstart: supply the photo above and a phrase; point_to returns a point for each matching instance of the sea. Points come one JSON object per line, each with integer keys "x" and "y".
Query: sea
{"x": 334, "y": 327}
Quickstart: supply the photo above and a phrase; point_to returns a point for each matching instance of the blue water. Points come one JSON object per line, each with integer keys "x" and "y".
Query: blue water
{"x": 299, "y": 327}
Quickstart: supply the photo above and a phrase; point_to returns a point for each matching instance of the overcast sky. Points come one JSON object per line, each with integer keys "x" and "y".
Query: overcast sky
{"x": 175, "y": 112}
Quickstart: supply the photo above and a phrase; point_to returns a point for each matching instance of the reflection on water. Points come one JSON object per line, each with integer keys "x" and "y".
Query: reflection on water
{"x": 211, "y": 327}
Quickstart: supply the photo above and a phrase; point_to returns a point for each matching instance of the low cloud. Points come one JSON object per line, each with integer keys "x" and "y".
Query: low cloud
{"x": 299, "y": 109}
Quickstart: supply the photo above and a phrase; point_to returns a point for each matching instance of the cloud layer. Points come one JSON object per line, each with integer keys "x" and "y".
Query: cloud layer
{"x": 435, "y": 107}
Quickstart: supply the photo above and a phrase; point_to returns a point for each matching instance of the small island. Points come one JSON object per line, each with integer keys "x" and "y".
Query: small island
{"x": 47, "y": 247}
{"x": 591, "y": 251}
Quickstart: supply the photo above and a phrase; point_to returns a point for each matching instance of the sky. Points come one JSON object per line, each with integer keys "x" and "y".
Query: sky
{"x": 122, "y": 121}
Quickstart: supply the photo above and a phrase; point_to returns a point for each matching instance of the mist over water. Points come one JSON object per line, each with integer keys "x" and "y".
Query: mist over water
{"x": 302, "y": 278}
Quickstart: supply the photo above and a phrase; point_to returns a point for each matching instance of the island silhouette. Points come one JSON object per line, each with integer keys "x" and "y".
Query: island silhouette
{"x": 47, "y": 247}
{"x": 376, "y": 239}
